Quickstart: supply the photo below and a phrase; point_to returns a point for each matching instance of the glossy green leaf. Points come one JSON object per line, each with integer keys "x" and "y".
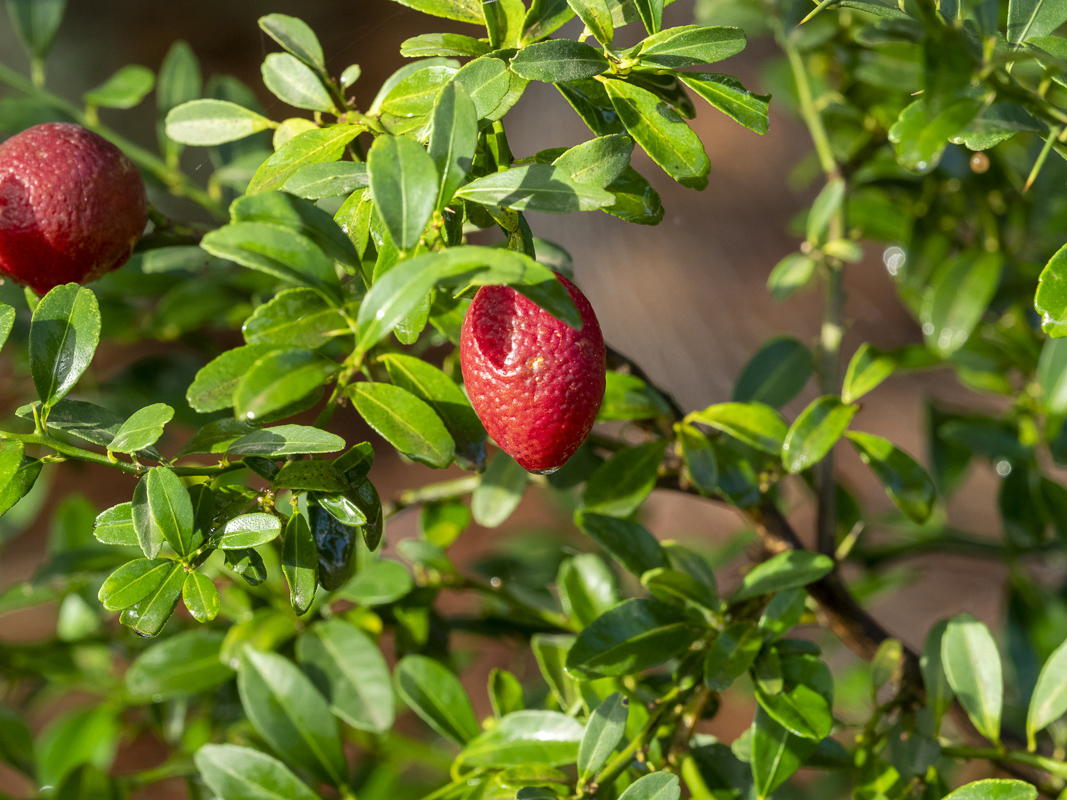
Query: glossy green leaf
{"x": 728, "y": 95}
{"x": 815, "y": 432}
{"x": 920, "y": 141}
{"x": 505, "y": 692}
{"x": 133, "y": 581}
{"x": 525, "y": 737}
{"x": 437, "y": 696}
{"x": 672, "y": 585}
{"x": 1051, "y": 297}
{"x": 543, "y": 18}
{"x": 586, "y": 587}
{"x": 826, "y": 205}
{"x": 619, "y": 485}
{"x": 776, "y": 753}
{"x": 955, "y": 302}
{"x": 445, "y": 397}
{"x": 150, "y": 614}
{"x": 170, "y": 509}
{"x": 791, "y": 274}
{"x": 755, "y": 424}
{"x": 212, "y": 122}
{"x": 499, "y": 492}
{"x": 805, "y": 705}
{"x": 142, "y": 429}
{"x": 179, "y": 666}
{"x": 535, "y": 187}
{"x": 404, "y": 184}
{"x": 279, "y": 379}
{"x": 788, "y": 570}
{"x": 627, "y": 397}
{"x": 300, "y": 562}
{"x": 596, "y": 14}
{"x": 247, "y": 530}
{"x": 866, "y": 370}
{"x": 295, "y": 36}
{"x": 302, "y": 216}
{"x": 453, "y": 139}
{"x": 286, "y": 710}
{"x": 443, "y": 44}
{"x": 294, "y": 318}
{"x": 241, "y": 773}
{"x": 405, "y": 421}
{"x": 633, "y": 636}
{"x": 1029, "y": 18}
{"x": 64, "y": 332}
{"x": 36, "y": 22}
{"x": 599, "y": 162}
{"x": 908, "y": 485}
{"x": 690, "y": 45}
{"x": 16, "y": 742}
{"x": 12, "y": 452}
{"x": 310, "y": 147}
{"x": 1049, "y": 700}
{"x": 731, "y": 655}
{"x": 776, "y": 374}
{"x": 550, "y": 651}
{"x": 459, "y": 10}
{"x": 628, "y": 542}
{"x": 972, "y": 667}
{"x": 317, "y": 475}
{"x": 938, "y": 691}
{"x": 558, "y": 60}
{"x": 285, "y": 440}
{"x": 655, "y": 786}
{"x": 995, "y": 789}
{"x": 7, "y": 321}
{"x": 603, "y": 733}
{"x": 82, "y": 736}
{"x": 327, "y": 179}
{"x": 125, "y": 89}
{"x": 380, "y": 583}
{"x": 351, "y": 672}
{"x": 590, "y": 100}
{"x": 179, "y": 78}
{"x": 214, "y": 385}
{"x": 493, "y": 88}
{"x": 201, "y": 597}
{"x": 114, "y": 526}
{"x": 295, "y": 83}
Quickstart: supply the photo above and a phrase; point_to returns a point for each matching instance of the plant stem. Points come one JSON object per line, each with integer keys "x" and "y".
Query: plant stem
{"x": 175, "y": 181}
{"x": 446, "y": 490}
{"x": 1057, "y": 768}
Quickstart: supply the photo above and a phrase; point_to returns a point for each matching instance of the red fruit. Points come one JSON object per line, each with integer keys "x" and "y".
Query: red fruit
{"x": 72, "y": 206}
{"x": 535, "y": 382}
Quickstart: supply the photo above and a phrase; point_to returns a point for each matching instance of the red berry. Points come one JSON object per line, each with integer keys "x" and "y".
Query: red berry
{"x": 535, "y": 382}
{"x": 72, "y": 206}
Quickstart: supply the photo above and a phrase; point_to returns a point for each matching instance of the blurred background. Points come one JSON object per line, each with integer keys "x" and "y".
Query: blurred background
{"x": 686, "y": 300}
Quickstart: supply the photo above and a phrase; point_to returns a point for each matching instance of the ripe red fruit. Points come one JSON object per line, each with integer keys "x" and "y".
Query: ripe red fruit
{"x": 72, "y": 206}
{"x": 535, "y": 382}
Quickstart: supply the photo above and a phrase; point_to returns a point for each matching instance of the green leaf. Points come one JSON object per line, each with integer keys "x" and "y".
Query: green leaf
{"x": 867, "y": 369}
{"x": 586, "y": 587}
{"x": 179, "y": 78}
{"x": 302, "y": 216}
{"x": 214, "y": 385}
{"x": 293, "y": 318}
{"x": 525, "y": 737}
{"x": 435, "y": 388}
{"x": 380, "y": 583}
{"x": 241, "y": 773}
{"x": 559, "y": 60}
{"x": 287, "y": 711}
{"x": 278, "y": 379}
{"x": 1029, "y": 18}
{"x": 995, "y": 789}
{"x": 597, "y": 18}
{"x": 125, "y": 89}
{"x": 12, "y": 452}
{"x": 150, "y": 614}
{"x": 908, "y": 485}
{"x": 921, "y": 141}
{"x": 1049, "y": 700}
{"x": 776, "y": 753}
{"x": 805, "y": 705}
{"x": 602, "y": 735}
{"x": 133, "y": 581}
{"x": 7, "y": 321}
{"x": 212, "y": 122}
{"x": 84, "y": 736}
{"x": 631, "y": 637}
{"x": 453, "y": 139}
{"x": 318, "y": 476}
{"x": 142, "y": 429}
{"x": 437, "y": 696}
{"x": 599, "y": 162}
{"x": 16, "y": 742}
{"x": 114, "y": 526}
{"x": 180, "y": 666}
{"x": 285, "y": 440}
{"x": 293, "y": 82}
{"x": 731, "y": 654}
{"x": 247, "y": 530}
{"x": 590, "y": 100}
{"x": 661, "y": 132}
{"x": 627, "y": 397}
{"x": 618, "y": 486}
{"x": 776, "y": 374}
{"x": 938, "y": 691}
{"x": 351, "y": 672}
{"x": 543, "y": 18}
{"x": 651, "y": 12}
{"x": 404, "y": 184}
{"x": 791, "y": 274}
{"x": 655, "y": 786}
{"x": 1051, "y": 298}
{"x": 505, "y": 692}
{"x": 815, "y": 432}
{"x": 690, "y": 45}
{"x": 499, "y": 492}
{"x": 36, "y": 23}
{"x": 954, "y": 304}
{"x": 826, "y": 204}
{"x": 972, "y": 667}
{"x": 310, "y": 147}
{"x": 727, "y": 94}
{"x": 628, "y": 542}
{"x": 459, "y": 10}
{"x": 300, "y": 562}
{"x": 278, "y": 251}
{"x": 535, "y": 187}
{"x": 443, "y": 44}
{"x": 789, "y": 570}
{"x": 405, "y": 421}
{"x": 672, "y": 585}
{"x": 295, "y": 36}
{"x": 755, "y": 424}
{"x": 201, "y": 597}
{"x": 170, "y": 509}
{"x": 328, "y": 179}
{"x": 406, "y": 285}
{"x": 64, "y": 332}
{"x": 1052, "y": 376}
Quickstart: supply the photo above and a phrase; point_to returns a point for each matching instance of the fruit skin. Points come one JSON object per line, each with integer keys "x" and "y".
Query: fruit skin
{"x": 535, "y": 382}
{"x": 72, "y": 206}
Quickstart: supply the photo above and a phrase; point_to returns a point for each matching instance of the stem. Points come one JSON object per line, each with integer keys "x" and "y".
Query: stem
{"x": 176, "y": 182}
{"x": 550, "y": 618}
{"x": 76, "y": 452}
{"x": 621, "y": 762}
{"x": 1053, "y": 767}
{"x": 446, "y": 490}
{"x": 808, "y": 112}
